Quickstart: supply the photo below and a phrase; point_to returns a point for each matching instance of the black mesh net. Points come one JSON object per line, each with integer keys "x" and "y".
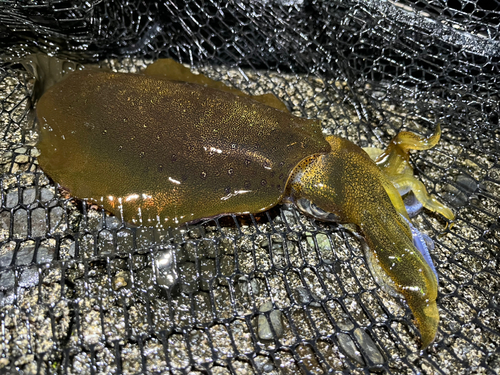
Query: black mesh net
{"x": 82, "y": 292}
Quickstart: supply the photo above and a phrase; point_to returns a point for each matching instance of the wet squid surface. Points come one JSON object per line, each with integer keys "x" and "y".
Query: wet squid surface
{"x": 152, "y": 150}
{"x": 156, "y": 151}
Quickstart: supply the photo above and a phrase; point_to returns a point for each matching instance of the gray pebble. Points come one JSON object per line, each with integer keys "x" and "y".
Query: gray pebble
{"x": 29, "y": 195}
{"x": 263, "y": 327}
{"x": 344, "y": 322}
{"x": 459, "y": 196}
{"x": 323, "y": 241}
{"x": 4, "y": 225}
{"x": 12, "y": 199}
{"x": 45, "y": 255}
{"x": 6, "y": 258}
{"x": 264, "y": 364}
{"x": 247, "y": 287}
{"x": 56, "y": 219}
{"x": 348, "y": 346}
{"x": 25, "y": 255}
{"x": 368, "y": 346}
{"x": 38, "y": 222}
{"x": 20, "y": 224}
{"x": 7, "y": 280}
{"x": 46, "y": 194}
{"x": 305, "y": 297}
{"x": 467, "y": 183}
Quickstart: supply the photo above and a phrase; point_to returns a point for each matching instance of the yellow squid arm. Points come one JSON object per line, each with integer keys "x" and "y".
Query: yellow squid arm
{"x": 420, "y": 192}
{"x": 347, "y": 183}
{"x": 395, "y": 197}
{"x": 394, "y": 162}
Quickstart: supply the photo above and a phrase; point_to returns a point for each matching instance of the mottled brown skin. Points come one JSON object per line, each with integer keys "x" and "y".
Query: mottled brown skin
{"x": 347, "y": 183}
{"x": 169, "y": 152}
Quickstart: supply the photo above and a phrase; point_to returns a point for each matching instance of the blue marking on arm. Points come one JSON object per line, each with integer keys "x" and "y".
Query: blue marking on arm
{"x": 423, "y": 243}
